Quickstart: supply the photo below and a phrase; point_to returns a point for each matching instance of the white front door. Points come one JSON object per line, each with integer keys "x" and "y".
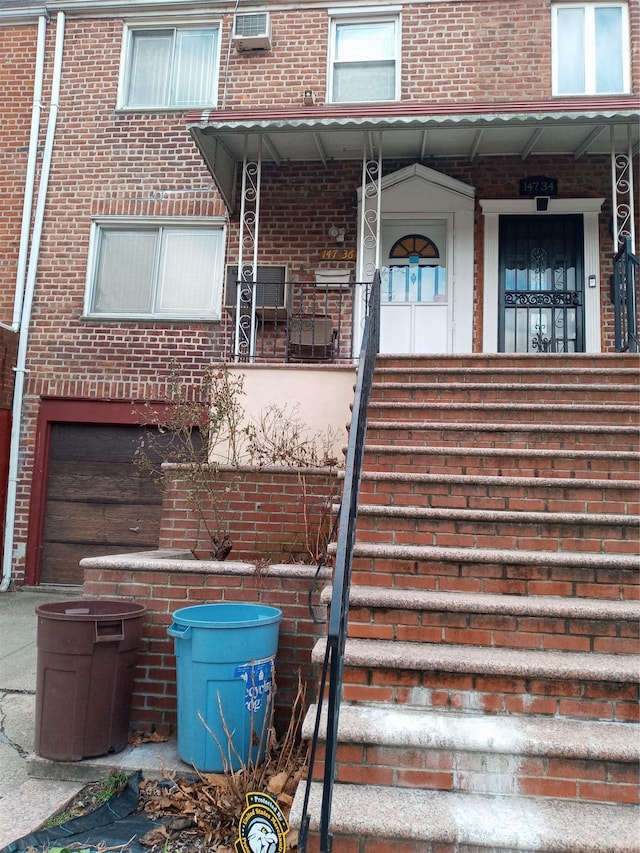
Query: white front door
{"x": 414, "y": 298}
{"x": 427, "y": 299}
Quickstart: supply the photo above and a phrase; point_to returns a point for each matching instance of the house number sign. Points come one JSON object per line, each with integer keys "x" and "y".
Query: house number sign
{"x": 338, "y": 255}
{"x": 538, "y": 185}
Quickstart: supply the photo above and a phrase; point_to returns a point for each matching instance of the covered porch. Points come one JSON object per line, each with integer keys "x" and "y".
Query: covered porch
{"x": 458, "y": 207}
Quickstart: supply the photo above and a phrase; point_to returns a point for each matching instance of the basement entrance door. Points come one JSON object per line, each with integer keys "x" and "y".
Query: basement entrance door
{"x": 541, "y": 284}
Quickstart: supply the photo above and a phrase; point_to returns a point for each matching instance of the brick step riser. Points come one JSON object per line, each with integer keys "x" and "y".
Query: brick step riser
{"x": 345, "y": 843}
{"x": 509, "y": 775}
{"x": 568, "y": 582}
{"x": 499, "y": 376}
{"x": 512, "y": 361}
{"x": 493, "y": 393}
{"x": 528, "y": 497}
{"x": 551, "y": 633}
{"x": 596, "y": 539}
{"x": 476, "y": 415}
{"x": 380, "y": 521}
{"x": 497, "y": 693}
{"x": 427, "y": 435}
{"x": 479, "y": 465}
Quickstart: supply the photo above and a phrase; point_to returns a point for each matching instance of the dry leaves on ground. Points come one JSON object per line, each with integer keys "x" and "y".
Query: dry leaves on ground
{"x": 204, "y": 814}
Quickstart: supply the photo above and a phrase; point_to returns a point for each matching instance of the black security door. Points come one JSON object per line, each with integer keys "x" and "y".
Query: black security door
{"x": 541, "y": 284}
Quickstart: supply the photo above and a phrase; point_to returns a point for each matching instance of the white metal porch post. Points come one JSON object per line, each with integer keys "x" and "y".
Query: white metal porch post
{"x": 369, "y": 249}
{"x": 245, "y": 337}
{"x": 622, "y": 193}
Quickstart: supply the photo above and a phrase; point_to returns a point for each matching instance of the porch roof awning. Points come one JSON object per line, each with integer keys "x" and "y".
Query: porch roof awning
{"x": 416, "y": 131}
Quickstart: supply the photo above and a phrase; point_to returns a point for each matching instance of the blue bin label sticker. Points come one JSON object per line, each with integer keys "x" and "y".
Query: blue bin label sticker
{"x": 262, "y": 827}
{"x": 257, "y": 677}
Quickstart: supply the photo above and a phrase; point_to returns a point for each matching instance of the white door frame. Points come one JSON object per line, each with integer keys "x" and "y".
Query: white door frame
{"x": 590, "y": 209}
{"x": 417, "y": 192}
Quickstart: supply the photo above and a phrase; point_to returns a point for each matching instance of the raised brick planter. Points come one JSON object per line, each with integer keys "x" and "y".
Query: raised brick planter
{"x": 168, "y": 580}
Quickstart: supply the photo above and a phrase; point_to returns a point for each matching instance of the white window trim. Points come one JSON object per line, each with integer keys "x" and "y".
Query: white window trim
{"x": 167, "y": 24}
{"x": 590, "y": 209}
{"x": 131, "y": 222}
{"x": 372, "y": 15}
{"x": 590, "y": 66}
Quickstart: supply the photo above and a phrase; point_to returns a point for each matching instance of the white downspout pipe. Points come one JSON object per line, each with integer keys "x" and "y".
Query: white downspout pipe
{"x": 36, "y": 111}
{"x": 18, "y": 394}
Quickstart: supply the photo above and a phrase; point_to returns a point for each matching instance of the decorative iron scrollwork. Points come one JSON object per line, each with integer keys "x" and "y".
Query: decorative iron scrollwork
{"x": 542, "y": 298}
{"x": 623, "y": 197}
{"x": 539, "y": 342}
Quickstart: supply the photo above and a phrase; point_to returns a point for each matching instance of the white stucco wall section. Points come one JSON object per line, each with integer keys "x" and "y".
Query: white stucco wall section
{"x": 590, "y": 209}
{"x": 320, "y": 396}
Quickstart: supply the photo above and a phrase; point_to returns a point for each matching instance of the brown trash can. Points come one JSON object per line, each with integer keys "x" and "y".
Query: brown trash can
{"x": 87, "y": 653}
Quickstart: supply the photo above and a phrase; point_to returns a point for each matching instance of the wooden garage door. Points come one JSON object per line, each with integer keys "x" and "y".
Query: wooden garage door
{"x": 98, "y": 502}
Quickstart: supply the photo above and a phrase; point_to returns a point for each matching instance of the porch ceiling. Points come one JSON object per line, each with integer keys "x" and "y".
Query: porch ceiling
{"x": 327, "y": 134}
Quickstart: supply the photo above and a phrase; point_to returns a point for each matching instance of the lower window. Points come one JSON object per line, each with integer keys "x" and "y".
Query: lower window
{"x": 146, "y": 270}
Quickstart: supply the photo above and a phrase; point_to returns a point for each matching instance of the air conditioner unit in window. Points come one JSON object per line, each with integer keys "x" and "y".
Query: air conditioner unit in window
{"x": 252, "y": 31}
{"x": 272, "y": 289}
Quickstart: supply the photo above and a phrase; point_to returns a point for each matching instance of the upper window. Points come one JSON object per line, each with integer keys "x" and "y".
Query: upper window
{"x": 364, "y": 61}
{"x": 590, "y": 48}
{"x": 170, "y": 67}
{"x": 146, "y": 270}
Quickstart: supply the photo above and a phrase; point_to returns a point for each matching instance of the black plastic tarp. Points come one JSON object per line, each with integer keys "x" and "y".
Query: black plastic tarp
{"x": 113, "y": 824}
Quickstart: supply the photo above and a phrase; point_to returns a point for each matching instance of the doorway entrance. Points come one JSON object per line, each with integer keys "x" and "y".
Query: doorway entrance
{"x": 541, "y": 284}
{"x": 422, "y": 240}
{"x": 414, "y": 298}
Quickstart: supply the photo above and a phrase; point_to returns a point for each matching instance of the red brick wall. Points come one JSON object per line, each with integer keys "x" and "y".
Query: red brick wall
{"x": 487, "y": 50}
{"x": 8, "y": 351}
{"x": 273, "y": 515}
{"x": 168, "y": 586}
{"x": 17, "y": 62}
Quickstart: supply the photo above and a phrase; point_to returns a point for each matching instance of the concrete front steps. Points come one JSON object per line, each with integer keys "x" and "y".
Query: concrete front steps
{"x": 490, "y": 684}
{"x": 382, "y": 819}
{"x": 413, "y": 780}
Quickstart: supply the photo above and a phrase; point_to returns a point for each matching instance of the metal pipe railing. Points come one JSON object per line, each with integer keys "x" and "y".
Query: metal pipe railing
{"x": 624, "y": 294}
{"x": 333, "y": 664}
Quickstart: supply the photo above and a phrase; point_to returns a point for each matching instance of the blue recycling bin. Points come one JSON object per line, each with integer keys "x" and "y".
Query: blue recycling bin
{"x": 225, "y": 655}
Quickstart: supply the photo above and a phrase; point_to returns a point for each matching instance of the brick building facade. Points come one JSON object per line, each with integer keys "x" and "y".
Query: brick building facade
{"x": 179, "y": 149}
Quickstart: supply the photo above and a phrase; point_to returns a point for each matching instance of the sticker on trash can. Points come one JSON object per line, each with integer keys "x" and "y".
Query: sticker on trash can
{"x": 257, "y": 677}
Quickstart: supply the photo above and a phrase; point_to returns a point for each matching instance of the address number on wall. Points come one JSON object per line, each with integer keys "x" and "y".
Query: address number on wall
{"x": 338, "y": 255}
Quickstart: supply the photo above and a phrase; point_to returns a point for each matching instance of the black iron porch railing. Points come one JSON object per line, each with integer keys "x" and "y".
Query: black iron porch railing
{"x": 337, "y": 629}
{"x": 624, "y": 294}
{"x": 292, "y": 321}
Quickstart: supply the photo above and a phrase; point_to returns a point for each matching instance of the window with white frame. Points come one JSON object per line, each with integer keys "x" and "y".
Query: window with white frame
{"x": 147, "y": 270}
{"x": 364, "y": 59}
{"x": 590, "y": 48}
{"x": 169, "y": 67}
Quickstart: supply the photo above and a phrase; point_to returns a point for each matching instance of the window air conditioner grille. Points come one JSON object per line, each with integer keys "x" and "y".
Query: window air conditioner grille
{"x": 251, "y": 25}
{"x": 252, "y": 31}
{"x": 271, "y": 288}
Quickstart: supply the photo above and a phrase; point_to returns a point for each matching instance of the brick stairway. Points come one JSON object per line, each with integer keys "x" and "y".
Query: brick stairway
{"x": 491, "y": 671}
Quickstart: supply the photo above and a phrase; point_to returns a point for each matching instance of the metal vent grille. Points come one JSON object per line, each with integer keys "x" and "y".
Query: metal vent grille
{"x": 248, "y": 25}
{"x": 271, "y": 289}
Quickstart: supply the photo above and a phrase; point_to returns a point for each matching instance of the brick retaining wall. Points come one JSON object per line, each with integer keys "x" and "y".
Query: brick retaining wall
{"x": 166, "y": 581}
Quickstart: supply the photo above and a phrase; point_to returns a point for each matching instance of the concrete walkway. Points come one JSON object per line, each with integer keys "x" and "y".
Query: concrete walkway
{"x": 33, "y": 788}
{"x": 24, "y": 803}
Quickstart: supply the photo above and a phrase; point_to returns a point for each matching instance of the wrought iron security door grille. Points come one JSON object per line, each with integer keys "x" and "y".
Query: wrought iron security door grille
{"x": 541, "y": 284}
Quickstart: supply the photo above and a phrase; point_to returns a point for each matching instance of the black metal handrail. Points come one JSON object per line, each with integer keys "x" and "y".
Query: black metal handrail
{"x": 337, "y": 629}
{"x": 624, "y": 294}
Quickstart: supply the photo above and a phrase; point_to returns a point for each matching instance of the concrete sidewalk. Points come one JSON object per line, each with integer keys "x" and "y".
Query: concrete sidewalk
{"x": 33, "y": 788}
